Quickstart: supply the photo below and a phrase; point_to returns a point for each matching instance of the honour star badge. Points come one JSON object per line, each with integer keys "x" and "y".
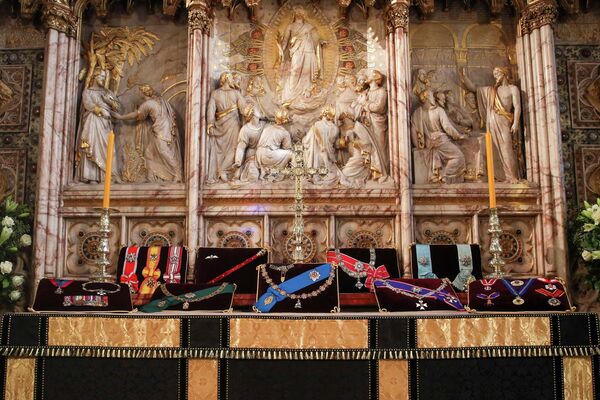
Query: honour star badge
{"x": 421, "y": 305}
{"x": 465, "y": 261}
{"x": 314, "y": 275}
{"x": 268, "y": 300}
{"x": 130, "y": 257}
{"x": 423, "y": 260}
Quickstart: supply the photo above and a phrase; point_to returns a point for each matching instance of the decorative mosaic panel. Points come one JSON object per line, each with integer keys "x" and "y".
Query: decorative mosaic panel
{"x": 15, "y": 94}
{"x": 12, "y": 173}
{"x": 434, "y": 230}
{"x": 364, "y": 232}
{"x": 516, "y": 241}
{"x": 315, "y": 239}
{"x": 82, "y": 246}
{"x": 587, "y": 167}
{"x": 22, "y": 71}
{"x": 144, "y": 232}
{"x": 234, "y": 232}
{"x": 584, "y": 93}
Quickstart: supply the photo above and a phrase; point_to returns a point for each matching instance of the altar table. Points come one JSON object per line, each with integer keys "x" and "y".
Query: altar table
{"x": 346, "y": 356}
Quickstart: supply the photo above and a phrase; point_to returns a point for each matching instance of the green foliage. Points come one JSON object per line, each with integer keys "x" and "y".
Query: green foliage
{"x": 586, "y": 240}
{"x": 15, "y": 236}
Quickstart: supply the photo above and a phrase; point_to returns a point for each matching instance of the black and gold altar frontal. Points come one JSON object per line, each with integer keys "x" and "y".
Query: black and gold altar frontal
{"x": 204, "y": 356}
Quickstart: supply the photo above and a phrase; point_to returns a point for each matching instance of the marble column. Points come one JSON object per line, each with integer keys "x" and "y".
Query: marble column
{"x": 200, "y": 23}
{"x": 536, "y": 41}
{"x": 58, "y": 105}
{"x": 398, "y": 60}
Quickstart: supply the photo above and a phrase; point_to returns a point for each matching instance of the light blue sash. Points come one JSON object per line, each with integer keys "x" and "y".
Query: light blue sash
{"x": 293, "y": 285}
{"x": 465, "y": 265}
{"x": 424, "y": 262}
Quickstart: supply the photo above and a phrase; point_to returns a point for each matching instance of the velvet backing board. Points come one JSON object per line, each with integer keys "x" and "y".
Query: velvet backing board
{"x": 73, "y": 296}
{"x": 444, "y": 261}
{"x": 385, "y": 257}
{"x": 326, "y": 301}
{"x": 211, "y": 262}
{"x": 519, "y": 294}
{"x": 143, "y": 267}
{"x": 416, "y": 295}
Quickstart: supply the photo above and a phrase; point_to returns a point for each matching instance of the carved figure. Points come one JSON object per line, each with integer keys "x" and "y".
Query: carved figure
{"x": 500, "y": 107}
{"x": 344, "y": 114}
{"x": 457, "y": 114}
{"x": 422, "y": 81}
{"x": 431, "y": 130}
{"x": 274, "y": 145}
{"x": 157, "y": 125}
{"x": 245, "y": 153}
{"x": 223, "y": 117}
{"x": 371, "y": 115}
{"x": 319, "y": 150}
{"x": 94, "y": 126}
{"x": 301, "y": 40}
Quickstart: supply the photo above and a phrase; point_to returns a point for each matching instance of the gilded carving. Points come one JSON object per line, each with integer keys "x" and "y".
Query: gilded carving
{"x": 15, "y": 93}
{"x": 234, "y": 232}
{"x": 443, "y": 230}
{"x": 587, "y": 170}
{"x": 538, "y": 14}
{"x": 584, "y": 93}
{"x": 156, "y": 232}
{"x": 83, "y": 239}
{"x": 396, "y": 16}
{"x": 61, "y": 18}
{"x": 516, "y": 241}
{"x": 314, "y": 239}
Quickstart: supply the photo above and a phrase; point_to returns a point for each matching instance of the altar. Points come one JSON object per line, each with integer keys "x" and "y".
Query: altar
{"x": 348, "y": 355}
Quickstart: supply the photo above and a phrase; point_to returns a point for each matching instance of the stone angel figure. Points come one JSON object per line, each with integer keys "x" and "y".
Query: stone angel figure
{"x": 156, "y": 120}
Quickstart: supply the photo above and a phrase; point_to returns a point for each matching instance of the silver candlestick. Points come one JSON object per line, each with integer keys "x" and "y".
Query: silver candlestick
{"x": 103, "y": 261}
{"x": 496, "y": 263}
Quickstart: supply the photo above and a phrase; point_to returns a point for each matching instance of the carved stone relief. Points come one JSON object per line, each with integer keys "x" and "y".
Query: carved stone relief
{"x": 304, "y": 61}
{"x": 82, "y": 246}
{"x": 587, "y": 164}
{"x": 15, "y": 92}
{"x": 143, "y": 98}
{"x": 453, "y": 59}
{"x": 234, "y": 232}
{"x": 315, "y": 240}
{"x": 364, "y": 232}
{"x": 517, "y": 242}
{"x": 432, "y": 230}
{"x": 12, "y": 173}
{"x": 584, "y": 93}
{"x": 144, "y": 232}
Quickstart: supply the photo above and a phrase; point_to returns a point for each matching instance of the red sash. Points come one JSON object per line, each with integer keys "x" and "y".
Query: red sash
{"x": 131, "y": 261}
{"x": 236, "y": 267}
{"x": 373, "y": 273}
{"x": 173, "y": 274}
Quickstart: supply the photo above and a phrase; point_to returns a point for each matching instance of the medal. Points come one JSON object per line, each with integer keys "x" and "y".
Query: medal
{"x": 60, "y": 284}
{"x": 553, "y": 293}
{"x": 488, "y": 283}
{"x": 488, "y": 298}
{"x": 518, "y": 300}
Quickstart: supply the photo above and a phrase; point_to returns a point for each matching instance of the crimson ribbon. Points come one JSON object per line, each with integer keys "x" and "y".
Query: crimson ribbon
{"x": 373, "y": 273}
{"x": 236, "y": 267}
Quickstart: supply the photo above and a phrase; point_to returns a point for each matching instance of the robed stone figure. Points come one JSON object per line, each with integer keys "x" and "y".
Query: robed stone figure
{"x": 301, "y": 40}
{"x": 500, "y": 106}
{"x": 432, "y": 131}
{"x": 158, "y": 127}
{"x": 319, "y": 147}
{"x": 223, "y": 116}
{"x": 274, "y": 146}
{"x": 95, "y": 124}
{"x": 245, "y": 153}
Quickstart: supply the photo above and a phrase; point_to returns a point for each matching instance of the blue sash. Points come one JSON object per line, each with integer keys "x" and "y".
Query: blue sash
{"x": 424, "y": 262}
{"x": 465, "y": 265}
{"x": 293, "y": 285}
{"x": 440, "y": 295}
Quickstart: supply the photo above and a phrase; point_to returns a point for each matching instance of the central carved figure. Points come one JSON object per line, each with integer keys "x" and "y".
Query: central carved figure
{"x": 303, "y": 45}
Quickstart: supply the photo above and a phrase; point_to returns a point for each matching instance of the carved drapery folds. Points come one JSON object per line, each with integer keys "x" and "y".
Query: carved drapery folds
{"x": 538, "y": 14}
{"x": 426, "y": 7}
{"x": 59, "y": 16}
{"x": 170, "y": 7}
{"x": 396, "y": 16}
{"x": 496, "y": 6}
{"x": 200, "y": 15}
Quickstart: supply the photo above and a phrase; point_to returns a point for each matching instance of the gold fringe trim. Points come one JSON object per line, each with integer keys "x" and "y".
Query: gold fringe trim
{"x": 291, "y": 354}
